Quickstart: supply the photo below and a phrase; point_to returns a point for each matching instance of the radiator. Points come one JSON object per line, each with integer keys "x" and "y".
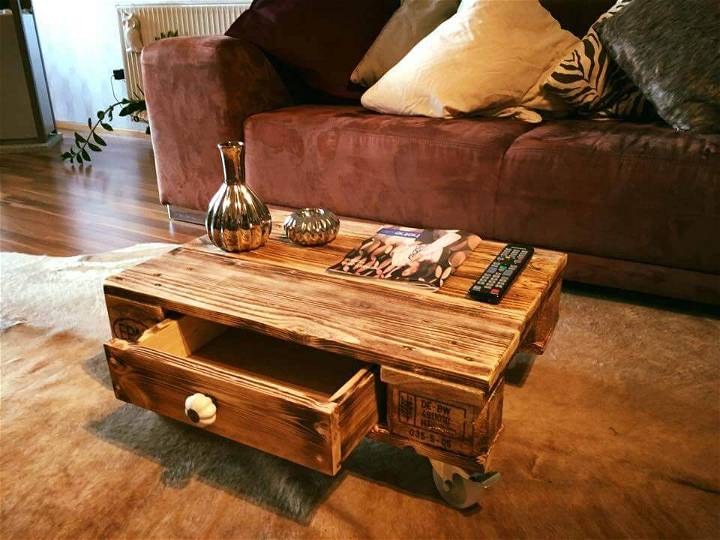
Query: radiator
{"x": 141, "y": 24}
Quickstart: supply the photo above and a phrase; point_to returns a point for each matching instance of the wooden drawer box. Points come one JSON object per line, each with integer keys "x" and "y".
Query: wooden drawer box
{"x": 450, "y": 417}
{"x": 304, "y": 405}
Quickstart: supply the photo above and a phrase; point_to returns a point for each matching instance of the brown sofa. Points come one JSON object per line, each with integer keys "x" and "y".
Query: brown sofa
{"x": 636, "y": 206}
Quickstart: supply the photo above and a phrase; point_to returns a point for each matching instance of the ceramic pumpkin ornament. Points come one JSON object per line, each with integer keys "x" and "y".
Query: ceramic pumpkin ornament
{"x": 200, "y": 409}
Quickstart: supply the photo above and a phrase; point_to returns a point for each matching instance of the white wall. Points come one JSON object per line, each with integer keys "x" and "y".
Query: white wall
{"x": 81, "y": 46}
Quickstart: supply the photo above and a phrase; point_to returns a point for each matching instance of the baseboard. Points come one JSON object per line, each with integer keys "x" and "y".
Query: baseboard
{"x": 117, "y": 132}
{"x": 53, "y": 140}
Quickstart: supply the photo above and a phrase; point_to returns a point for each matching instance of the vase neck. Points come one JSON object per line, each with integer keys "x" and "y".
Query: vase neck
{"x": 233, "y": 159}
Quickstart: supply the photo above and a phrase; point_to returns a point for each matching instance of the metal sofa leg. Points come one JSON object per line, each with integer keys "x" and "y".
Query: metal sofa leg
{"x": 187, "y": 215}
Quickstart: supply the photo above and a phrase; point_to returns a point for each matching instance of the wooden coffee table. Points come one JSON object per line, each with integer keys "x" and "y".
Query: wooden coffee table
{"x": 268, "y": 349}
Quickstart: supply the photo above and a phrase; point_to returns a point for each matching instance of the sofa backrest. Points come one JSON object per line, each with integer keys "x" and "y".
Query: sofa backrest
{"x": 577, "y": 15}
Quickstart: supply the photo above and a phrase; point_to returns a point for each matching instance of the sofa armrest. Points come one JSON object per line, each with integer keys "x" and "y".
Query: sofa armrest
{"x": 199, "y": 91}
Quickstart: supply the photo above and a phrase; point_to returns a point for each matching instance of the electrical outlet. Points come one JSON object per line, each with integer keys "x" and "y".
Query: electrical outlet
{"x": 119, "y": 74}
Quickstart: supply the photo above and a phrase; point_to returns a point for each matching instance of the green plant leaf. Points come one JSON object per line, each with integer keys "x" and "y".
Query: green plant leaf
{"x": 78, "y": 159}
{"x": 101, "y": 115}
{"x": 147, "y": 130}
{"x": 79, "y": 138}
{"x": 85, "y": 155}
{"x": 94, "y": 147}
{"x": 66, "y": 155}
{"x": 89, "y": 123}
{"x": 106, "y": 126}
{"x": 99, "y": 139}
{"x": 133, "y": 107}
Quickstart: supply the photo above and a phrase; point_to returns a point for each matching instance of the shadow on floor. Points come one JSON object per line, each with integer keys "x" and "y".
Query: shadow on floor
{"x": 97, "y": 368}
{"x": 290, "y": 490}
{"x": 519, "y": 369}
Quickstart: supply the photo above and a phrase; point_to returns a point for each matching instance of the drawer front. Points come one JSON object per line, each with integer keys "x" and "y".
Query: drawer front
{"x": 261, "y": 414}
{"x": 447, "y": 416}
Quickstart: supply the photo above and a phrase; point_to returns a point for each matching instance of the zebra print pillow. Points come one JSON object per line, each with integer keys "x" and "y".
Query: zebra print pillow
{"x": 591, "y": 82}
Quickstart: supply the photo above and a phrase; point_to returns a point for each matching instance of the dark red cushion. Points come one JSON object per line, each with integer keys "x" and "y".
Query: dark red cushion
{"x": 323, "y": 40}
{"x": 577, "y": 16}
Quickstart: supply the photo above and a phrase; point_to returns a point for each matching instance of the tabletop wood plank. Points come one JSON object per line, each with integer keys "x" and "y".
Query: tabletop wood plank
{"x": 283, "y": 290}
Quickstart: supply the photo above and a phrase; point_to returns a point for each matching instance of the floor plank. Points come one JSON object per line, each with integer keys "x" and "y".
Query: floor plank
{"x": 48, "y": 206}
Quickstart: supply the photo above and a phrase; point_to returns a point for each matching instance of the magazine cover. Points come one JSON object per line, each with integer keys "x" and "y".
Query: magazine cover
{"x": 423, "y": 257}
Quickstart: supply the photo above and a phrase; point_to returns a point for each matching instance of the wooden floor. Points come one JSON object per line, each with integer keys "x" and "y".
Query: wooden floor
{"x": 50, "y": 207}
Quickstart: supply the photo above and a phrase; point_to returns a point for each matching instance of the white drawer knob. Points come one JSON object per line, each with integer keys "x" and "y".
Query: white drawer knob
{"x": 200, "y": 409}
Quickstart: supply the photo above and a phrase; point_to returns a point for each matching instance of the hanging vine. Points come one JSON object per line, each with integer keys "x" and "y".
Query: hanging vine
{"x": 82, "y": 146}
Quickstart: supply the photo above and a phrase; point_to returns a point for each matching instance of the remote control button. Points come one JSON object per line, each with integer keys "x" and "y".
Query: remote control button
{"x": 500, "y": 272}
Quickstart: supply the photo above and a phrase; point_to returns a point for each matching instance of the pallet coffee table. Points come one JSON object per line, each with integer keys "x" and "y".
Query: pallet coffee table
{"x": 270, "y": 350}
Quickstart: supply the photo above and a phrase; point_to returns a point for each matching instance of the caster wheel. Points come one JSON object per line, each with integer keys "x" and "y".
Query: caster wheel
{"x": 457, "y": 487}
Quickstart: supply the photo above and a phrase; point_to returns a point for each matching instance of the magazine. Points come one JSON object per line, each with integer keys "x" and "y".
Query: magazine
{"x": 423, "y": 257}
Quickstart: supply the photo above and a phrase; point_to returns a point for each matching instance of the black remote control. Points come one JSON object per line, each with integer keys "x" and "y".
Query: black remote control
{"x": 497, "y": 278}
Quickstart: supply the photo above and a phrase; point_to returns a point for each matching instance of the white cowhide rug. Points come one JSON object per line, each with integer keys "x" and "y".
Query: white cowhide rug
{"x": 614, "y": 432}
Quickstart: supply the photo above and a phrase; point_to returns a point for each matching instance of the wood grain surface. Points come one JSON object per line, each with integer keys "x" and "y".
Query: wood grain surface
{"x": 130, "y": 320}
{"x": 435, "y": 413}
{"x": 538, "y": 332}
{"x": 314, "y": 420}
{"x": 284, "y": 291}
{"x": 480, "y": 463}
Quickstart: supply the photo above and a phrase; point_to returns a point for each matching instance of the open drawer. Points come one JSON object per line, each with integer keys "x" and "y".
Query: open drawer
{"x": 299, "y": 403}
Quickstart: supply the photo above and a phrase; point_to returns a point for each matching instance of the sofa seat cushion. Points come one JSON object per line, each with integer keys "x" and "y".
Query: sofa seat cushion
{"x": 409, "y": 170}
{"x": 638, "y": 192}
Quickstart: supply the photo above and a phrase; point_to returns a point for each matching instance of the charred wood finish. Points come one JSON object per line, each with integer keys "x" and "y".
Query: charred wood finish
{"x": 284, "y": 349}
{"x": 314, "y": 424}
{"x": 129, "y": 320}
{"x": 451, "y": 417}
{"x": 537, "y": 334}
{"x": 284, "y": 291}
{"x": 481, "y": 463}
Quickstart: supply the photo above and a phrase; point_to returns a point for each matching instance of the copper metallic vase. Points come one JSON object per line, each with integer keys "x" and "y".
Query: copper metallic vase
{"x": 237, "y": 220}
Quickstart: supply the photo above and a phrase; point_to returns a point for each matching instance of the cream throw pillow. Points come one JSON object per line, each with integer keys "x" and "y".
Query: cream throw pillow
{"x": 486, "y": 59}
{"x": 412, "y": 21}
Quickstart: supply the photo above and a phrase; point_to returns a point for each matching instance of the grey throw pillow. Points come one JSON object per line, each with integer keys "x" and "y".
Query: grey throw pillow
{"x": 590, "y": 81}
{"x": 412, "y": 21}
{"x": 671, "y": 51}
